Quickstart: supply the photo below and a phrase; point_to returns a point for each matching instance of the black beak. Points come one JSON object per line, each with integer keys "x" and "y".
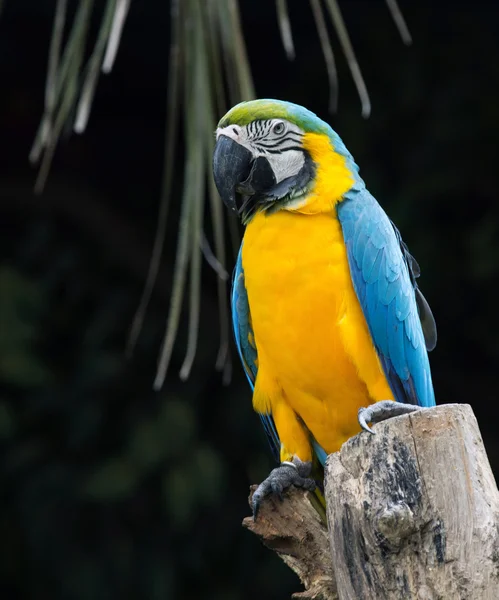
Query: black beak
{"x": 238, "y": 175}
{"x": 231, "y": 166}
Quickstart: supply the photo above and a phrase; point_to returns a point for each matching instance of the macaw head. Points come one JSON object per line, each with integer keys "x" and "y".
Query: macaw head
{"x": 272, "y": 155}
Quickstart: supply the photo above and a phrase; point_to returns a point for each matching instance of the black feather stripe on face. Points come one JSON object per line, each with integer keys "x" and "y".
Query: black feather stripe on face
{"x": 279, "y": 151}
{"x": 262, "y": 139}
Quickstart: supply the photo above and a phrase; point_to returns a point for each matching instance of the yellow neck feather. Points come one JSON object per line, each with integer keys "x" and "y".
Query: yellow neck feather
{"x": 333, "y": 177}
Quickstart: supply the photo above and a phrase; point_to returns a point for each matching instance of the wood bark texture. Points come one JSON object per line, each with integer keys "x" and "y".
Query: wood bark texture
{"x": 413, "y": 510}
{"x": 413, "y": 513}
{"x": 293, "y": 529}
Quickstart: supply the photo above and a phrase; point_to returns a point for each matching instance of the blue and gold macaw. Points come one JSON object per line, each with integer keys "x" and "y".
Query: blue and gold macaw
{"x": 327, "y": 314}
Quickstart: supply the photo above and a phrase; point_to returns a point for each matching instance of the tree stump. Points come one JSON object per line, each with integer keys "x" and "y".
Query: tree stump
{"x": 413, "y": 513}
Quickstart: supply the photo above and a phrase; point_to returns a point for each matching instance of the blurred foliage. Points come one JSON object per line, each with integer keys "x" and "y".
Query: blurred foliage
{"x": 110, "y": 490}
{"x": 84, "y": 445}
{"x": 21, "y": 302}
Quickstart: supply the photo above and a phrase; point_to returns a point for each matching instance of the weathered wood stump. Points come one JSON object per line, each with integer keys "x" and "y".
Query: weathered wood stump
{"x": 293, "y": 529}
{"x": 413, "y": 513}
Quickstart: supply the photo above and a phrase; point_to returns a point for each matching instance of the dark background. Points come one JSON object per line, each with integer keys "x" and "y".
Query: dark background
{"x": 109, "y": 490}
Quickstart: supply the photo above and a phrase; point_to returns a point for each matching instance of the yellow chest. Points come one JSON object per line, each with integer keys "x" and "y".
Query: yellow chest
{"x": 298, "y": 283}
{"x": 309, "y": 328}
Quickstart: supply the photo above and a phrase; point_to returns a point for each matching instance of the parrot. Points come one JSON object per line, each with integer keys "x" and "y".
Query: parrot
{"x": 330, "y": 325}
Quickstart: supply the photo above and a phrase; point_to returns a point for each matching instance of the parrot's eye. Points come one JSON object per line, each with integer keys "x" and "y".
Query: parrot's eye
{"x": 278, "y": 128}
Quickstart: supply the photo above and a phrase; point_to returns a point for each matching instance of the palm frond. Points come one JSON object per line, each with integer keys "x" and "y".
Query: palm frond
{"x": 93, "y": 68}
{"x": 62, "y": 86}
{"x": 399, "y": 20}
{"x": 202, "y": 57}
{"x": 120, "y": 14}
{"x": 327, "y": 50}
{"x": 168, "y": 170}
{"x": 285, "y": 28}
{"x": 346, "y": 44}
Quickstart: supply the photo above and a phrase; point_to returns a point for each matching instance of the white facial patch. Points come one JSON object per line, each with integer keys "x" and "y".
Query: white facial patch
{"x": 279, "y": 141}
{"x": 286, "y": 164}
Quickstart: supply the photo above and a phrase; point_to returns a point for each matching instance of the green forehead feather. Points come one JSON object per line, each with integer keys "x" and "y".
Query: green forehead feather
{"x": 254, "y": 110}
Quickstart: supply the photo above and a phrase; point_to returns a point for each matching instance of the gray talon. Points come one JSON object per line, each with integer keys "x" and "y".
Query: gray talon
{"x": 286, "y": 474}
{"x": 380, "y": 411}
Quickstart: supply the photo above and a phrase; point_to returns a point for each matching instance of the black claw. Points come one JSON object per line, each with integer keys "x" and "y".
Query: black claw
{"x": 280, "y": 479}
{"x": 255, "y": 503}
{"x": 310, "y": 485}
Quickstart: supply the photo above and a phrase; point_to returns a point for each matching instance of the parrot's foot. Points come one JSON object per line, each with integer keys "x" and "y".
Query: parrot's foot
{"x": 286, "y": 474}
{"x": 380, "y": 411}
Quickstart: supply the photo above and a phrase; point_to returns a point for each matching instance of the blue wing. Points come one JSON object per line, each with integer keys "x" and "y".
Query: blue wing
{"x": 384, "y": 277}
{"x": 243, "y": 333}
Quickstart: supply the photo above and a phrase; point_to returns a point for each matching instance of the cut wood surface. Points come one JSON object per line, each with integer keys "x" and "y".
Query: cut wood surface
{"x": 292, "y": 528}
{"x": 413, "y": 512}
